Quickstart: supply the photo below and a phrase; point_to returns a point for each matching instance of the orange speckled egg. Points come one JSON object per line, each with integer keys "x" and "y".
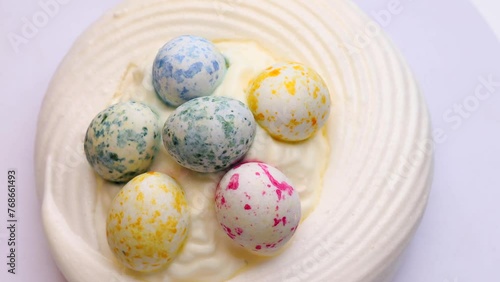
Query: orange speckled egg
{"x": 290, "y": 101}
{"x": 148, "y": 221}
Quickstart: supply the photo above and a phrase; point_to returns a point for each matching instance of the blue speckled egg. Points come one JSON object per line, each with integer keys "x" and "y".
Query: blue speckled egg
{"x": 209, "y": 134}
{"x": 187, "y": 67}
{"x": 122, "y": 140}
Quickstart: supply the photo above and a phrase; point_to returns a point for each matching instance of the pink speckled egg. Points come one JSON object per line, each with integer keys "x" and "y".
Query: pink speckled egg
{"x": 257, "y": 207}
{"x": 290, "y": 101}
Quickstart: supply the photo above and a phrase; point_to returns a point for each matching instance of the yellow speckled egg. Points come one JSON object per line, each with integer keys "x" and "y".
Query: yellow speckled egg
{"x": 290, "y": 101}
{"x": 147, "y": 222}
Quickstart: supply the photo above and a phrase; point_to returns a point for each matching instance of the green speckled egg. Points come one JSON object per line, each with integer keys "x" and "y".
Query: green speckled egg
{"x": 209, "y": 134}
{"x": 122, "y": 140}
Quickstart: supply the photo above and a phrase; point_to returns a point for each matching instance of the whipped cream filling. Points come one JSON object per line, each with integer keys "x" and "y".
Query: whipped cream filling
{"x": 209, "y": 254}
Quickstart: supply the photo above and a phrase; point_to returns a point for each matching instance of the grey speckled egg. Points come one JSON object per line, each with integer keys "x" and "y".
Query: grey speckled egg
{"x": 187, "y": 67}
{"x": 122, "y": 140}
{"x": 209, "y": 134}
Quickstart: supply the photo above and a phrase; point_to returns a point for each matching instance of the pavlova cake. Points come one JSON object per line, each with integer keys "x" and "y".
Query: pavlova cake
{"x": 232, "y": 141}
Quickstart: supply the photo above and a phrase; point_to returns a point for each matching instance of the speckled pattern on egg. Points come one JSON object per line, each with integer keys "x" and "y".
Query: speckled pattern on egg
{"x": 122, "y": 140}
{"x": 148, "y": 221}
{"x": 187, "y": 67}
{"x": 290, "y": 101}
{"x": 209, "y": 134}
{"x": 257, "y": 207}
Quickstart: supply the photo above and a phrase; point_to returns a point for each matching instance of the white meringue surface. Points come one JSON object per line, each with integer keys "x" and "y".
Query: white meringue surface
{"x": 379, "y": 166}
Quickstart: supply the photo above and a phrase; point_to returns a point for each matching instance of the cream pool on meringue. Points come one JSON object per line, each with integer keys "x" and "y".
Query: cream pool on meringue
{"x": 304, "y": 163}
